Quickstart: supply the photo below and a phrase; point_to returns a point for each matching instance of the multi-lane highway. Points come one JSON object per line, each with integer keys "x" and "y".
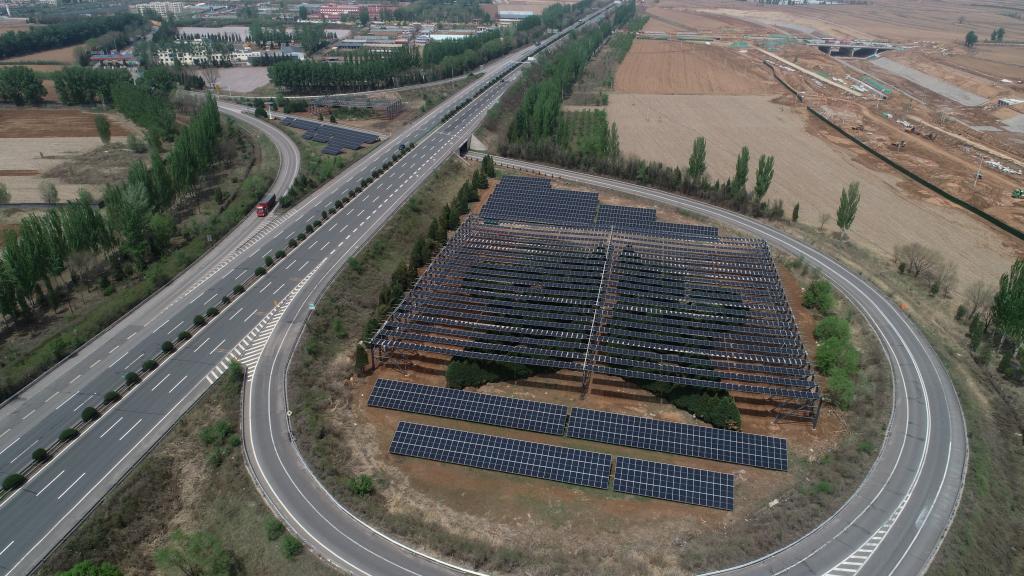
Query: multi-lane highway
{"x": 38, "y": 515}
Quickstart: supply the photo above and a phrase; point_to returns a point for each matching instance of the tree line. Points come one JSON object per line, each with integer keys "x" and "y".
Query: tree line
{"x": 371, "y": 70}
{"x": 132, "y": 226}
{"x": 65, "y": 33}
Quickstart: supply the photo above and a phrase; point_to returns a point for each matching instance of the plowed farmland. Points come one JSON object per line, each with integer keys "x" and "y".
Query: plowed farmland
{"x": 812, "y": 164}
{"x": 671, "y": 67}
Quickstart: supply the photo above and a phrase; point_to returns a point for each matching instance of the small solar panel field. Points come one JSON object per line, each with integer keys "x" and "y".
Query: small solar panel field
{"x": 469, "y": 406}
{"x": 509, "y": 455}
{"x": 675, "y": 483}
{"x": 336, "y": 138}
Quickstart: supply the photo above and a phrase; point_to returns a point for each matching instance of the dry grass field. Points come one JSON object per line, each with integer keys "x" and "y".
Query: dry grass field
{"x": 34, "y": 141}
{"x": 810, "y": 169}
{"x": 64, "y": 55}
{"x": 660, "y": 67}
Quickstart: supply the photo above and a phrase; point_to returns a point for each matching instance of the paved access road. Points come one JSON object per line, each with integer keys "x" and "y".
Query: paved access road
{"x": 37, "y": 516}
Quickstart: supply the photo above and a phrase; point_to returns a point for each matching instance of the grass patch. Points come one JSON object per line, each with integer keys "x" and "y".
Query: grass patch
{"x": 173, "y": 489}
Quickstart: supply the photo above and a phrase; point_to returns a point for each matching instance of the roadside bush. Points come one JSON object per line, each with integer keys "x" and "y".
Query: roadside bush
{"x": 13, "y": 481}
{"x": 268, "y": 261}
{"x": 291, "y": 546}
{"x": 279, "y": 254}
{"x": 292, "y": 243}
{"x": 211, "y": 311}
{"x": 260, "y": 271}
{"x": 361, "y": 485}
{"x": 111, "y": 396}
{"x": 132, "y": 378}
{"x": 301, "y": 236}
{"x": 309, "y": 228}
{"x": 167, "y": 346}
{"x": 818, "y": 296}
{"x": 40, "y": 455}
{"x": 832, "y": 327}
{"x": 835, "y": 356}
{"x": 199, "y": 320}
{"x": 338, "y": 203}
{"x": 90, "y": 414}
{"x": 840, "y": 387}
{"x": 317, "y": 223}
{"x": 323, "y": 214}
{"x": 274, "y": 528}
{"x": 149, "y": 365}
{"x": 68, "y": 434}
{"x": 225, "y": 300}
{"x": 184, "y": 335}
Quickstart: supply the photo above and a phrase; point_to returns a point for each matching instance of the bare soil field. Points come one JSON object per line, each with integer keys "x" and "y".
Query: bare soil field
{"x": 812, "y": 164}
{"x": 242, "y": 79}
{"x": 673, "y": 67}
{"x": 37, "y": 141}
{"x": 13, "y": 25}
{"x": 669, "y": 18}
{"x": 64, "y": 55}
{"x": 899, "y": 20}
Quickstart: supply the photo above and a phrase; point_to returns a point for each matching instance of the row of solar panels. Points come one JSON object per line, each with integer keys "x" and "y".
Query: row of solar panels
{"x": 568, "y": 465}
{"x": 336, "y": 138}
{"x": 583, "y": 423}
{"x": 528, "y": 199}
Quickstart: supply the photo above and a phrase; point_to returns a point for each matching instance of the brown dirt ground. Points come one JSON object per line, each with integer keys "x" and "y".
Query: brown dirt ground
{"x": 64, "y": 55}
{"x": 56, "y": 123}
{"x": 673, "y": 67}
{"x": 668, "y": 18}
{"x": 812, "y": 164}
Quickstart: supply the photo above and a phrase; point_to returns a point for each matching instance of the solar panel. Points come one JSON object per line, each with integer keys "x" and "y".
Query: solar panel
{"x": 675, "y": 483}
{"x": 682, "y": 439}
{"x": 470, "y": 406}
{"x": 509, "y": 455}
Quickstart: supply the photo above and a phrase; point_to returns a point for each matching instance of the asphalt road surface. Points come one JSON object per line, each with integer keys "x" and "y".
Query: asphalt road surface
{"x": 37, "y": 516}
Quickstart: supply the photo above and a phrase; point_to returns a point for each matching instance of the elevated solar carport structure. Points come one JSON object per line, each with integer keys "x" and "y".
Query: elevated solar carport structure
{"x": 539, "y": 278}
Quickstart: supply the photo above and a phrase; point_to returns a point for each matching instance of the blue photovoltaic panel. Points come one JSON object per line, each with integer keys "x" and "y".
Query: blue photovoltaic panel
{"x": 682, "y": 439}
{"x": 470, "y": 406}
{"x": 502, "y": 454}
{"x": 675, "y": 483}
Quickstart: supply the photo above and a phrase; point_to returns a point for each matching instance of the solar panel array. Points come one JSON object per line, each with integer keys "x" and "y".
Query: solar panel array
{"x": 508, "y": 455}
{"x": 336, "y": 138}
{"x": 470, "y": 406}
{"x": 533, "y": 200}
{"x": 696, "y": 311}
{"x": 682, "y": 439}
{"x": 675, "y": 483}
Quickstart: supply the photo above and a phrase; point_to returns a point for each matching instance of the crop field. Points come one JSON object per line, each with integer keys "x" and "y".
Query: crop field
{"x": 810, "y": 170}
{"x": 37, "y": 141}
{"x": 669, "y": 67}
{"x": 64, "y": 55}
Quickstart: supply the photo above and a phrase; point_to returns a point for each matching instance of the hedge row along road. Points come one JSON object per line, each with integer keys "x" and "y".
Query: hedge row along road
{"x": 35, "y": 517}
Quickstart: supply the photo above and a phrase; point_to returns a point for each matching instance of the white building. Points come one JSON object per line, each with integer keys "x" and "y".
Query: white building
{"x": 162, "y": 8}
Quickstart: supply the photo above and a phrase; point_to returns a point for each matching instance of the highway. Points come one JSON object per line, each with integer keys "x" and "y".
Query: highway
{"x": 37, "y": 516}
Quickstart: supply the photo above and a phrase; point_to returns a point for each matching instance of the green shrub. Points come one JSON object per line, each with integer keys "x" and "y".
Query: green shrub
{"x": 216, "y": 433}
{"x": 835, "y": 356}
{"x": 238, "y": 289}
{"x": 132, "y": 378}
{"x": 274, "y": 528}
{"x": 184, "y": 335}
{"x": 68, "y": 434}
{"x": 211, "y": 311}
{"x": 268, "y": 261}
{"x": 291, "y": 546}
{"x": 840, "y": 387}
{"x": 292, "y": 243}
{"x": 309, "y": 228}
{"x": 301, "y": 236}
{"x": 832, "y": 327}
{"x": 199, "y": 320}
{"x": 111, "y": 396}
{"x": 40, "y": 455}
{"x": 473, "y": 373}
{"x": 361, "y": 485}
{"x": 824, "y": 487}
{"x": 13, "y": 481}
{"x": 279, "y": 254}
{"x": 261, "y": 271}
{"x": 716, "y": 407}
{"x": 149, "y": 365}
{"x": 818, "y": 296}
{"x": 338, "y": 203}
{"x": 167, "y": 346}
{"x": 90, "y": 414}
